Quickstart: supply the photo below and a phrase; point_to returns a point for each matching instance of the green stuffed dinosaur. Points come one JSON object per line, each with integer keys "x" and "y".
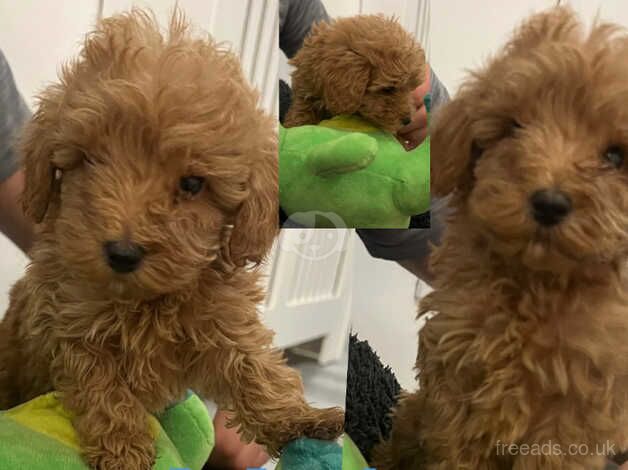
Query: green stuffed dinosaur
{"x": 352, "y": 174}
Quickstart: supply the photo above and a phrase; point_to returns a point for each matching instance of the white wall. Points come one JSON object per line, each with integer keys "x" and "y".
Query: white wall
{"x": 464, "y": 33}
{"x": 36, "y": 35}
{"x": 384, "y": 311}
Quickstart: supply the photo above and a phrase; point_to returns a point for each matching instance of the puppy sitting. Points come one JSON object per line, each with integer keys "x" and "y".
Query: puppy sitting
{"x": 366, "y": 65}
{"x": 528, "y": 347}
{"x": 153, "y": 175}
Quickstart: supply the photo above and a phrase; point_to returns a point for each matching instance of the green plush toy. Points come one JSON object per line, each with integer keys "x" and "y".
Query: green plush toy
{"x": 351, "y": 174}
{"x": 38, "y": 435}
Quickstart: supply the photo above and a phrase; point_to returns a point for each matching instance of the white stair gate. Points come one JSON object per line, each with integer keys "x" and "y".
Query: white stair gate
{"x": 310, "y": 274}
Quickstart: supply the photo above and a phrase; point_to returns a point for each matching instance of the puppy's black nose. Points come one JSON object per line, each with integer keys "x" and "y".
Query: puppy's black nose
{"x": 405, "y": 121}
{"x": 550, "y": 206}
{"x": 123, "y": 256}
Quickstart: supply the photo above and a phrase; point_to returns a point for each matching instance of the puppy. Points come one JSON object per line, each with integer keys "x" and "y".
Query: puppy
{"x": 153, "y": 176}
{"x": 366, "y": 65}
{"x": 524, "y": 365}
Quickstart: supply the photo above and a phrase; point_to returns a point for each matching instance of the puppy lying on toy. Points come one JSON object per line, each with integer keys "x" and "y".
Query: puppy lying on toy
{"x": 527, "y": 350}
{"x": 346, "y": 168}
{"x": 152, "y": 175}
{"x": 365, "y": 65}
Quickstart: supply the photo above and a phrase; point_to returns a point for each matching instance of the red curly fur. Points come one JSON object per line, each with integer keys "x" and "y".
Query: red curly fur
{"x": 528, "y": 344}
{"x": 104, "y": 154}
{"x": 366, "y": 65}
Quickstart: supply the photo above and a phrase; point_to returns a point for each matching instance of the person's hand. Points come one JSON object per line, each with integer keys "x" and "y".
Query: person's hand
{"x": 230, "y": 453}
{"x": 412, "y": 135}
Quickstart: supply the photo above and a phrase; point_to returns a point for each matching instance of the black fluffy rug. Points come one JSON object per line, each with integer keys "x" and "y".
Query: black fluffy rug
{"x": 372, "y": 391}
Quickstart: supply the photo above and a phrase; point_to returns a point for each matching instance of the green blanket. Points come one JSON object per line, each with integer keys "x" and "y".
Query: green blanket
{"x": 38, "y": 435}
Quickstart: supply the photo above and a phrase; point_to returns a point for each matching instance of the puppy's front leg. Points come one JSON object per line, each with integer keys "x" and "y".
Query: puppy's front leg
{"x": 251, "y": 378}
{"x": 111, "y": 423}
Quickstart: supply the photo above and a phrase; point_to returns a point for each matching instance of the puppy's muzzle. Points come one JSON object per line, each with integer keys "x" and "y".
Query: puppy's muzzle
{"x": 550, "y": 206}
{"x": 123, "y": 256}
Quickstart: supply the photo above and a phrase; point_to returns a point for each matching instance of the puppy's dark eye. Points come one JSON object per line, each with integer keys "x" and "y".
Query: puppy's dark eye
{"x": 389, "y": 90}
{"x": 191, "y": 184}
{"x": 512, "y": 126}
{"x": 615, "y": 155}
{"x": 476, "y": 151}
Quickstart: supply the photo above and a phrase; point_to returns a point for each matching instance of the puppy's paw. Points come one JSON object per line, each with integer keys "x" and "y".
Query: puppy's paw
{"x": 382, "y": 456}
{"x": 325, "y": 424}
{"x": 122, "y": 455}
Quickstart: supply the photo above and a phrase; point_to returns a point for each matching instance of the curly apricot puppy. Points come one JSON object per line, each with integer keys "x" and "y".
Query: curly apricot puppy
{"x": 153, "y": 175}
{"x": 366, "y": 65}
{"x": 528, "y": 346}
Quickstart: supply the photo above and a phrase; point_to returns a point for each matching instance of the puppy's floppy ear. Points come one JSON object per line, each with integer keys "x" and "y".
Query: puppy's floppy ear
{"x": 256, "y": 222}
{"x": 556, "y": 24}
{"x": 345, "y": 78}
{"x": 40, "y": 184}
{"x": 452, "y": 148}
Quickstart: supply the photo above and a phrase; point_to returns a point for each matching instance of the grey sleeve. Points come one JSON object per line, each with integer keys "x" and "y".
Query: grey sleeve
{"x": 13, "y": 114}
{"x": 296, "y": 17}
{"x": 402, "y": 244}
{"x": 439, "y": 93}
{"x": 396, "y": 245}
